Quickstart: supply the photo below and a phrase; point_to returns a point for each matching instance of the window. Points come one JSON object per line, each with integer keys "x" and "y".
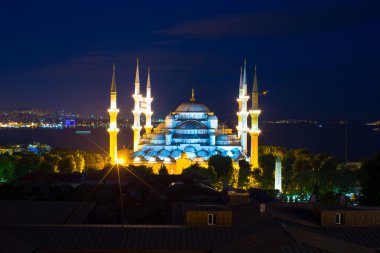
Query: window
{"x": 211, "y": 219}
{"x": 339, "y": 218}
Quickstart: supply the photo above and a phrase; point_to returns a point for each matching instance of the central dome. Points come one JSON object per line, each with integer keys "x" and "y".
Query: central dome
{"x": 192, "y": 106}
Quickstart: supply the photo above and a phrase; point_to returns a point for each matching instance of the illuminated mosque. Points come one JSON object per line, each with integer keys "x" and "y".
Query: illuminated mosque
{"x": 191, "y": 132}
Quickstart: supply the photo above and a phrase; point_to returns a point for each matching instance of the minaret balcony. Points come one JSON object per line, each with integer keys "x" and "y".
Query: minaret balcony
{"x": 256, "y": 112}
{"x": 255, "y": 132}
{"x": 148, "y": 100}
{"x": 244, "y": 114}
{"x": 243, "y": 98}
{"x": 148, "y": 113}
{"x": 112, "y": 130}
{"x": 136, "y": 128}
{"x": 112, "y": 110}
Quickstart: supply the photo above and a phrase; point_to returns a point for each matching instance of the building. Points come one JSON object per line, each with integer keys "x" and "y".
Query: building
{"x": 240, "y": 228}
{"x": 208, "y": 215}
{"x": 192, "y": 131}
{"x": 348, "y": 215}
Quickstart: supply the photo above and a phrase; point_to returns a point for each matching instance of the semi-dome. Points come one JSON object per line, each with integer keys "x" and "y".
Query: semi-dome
{"x": 191, "y": 124}
{"x": 192, "y": 106}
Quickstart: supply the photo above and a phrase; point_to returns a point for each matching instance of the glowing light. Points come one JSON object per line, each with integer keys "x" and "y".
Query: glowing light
{"x": 198, "y": 159}
{"x": 152, "y": 160}
{"x": 120, "y": 161}
{"x": 137, "y": 160}
{"x": 168, "y": 160}
{"x": 255, "y": 111}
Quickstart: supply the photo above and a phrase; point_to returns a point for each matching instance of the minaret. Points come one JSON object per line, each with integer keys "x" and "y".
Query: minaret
{"x": 255, "y": 131}
{"x": 277, "y": 175}
{"x": 113, "y": 111}
{"x": 243, "y": 112}
{"x": 148, "y": 111}
{"x": 137, "y": 110}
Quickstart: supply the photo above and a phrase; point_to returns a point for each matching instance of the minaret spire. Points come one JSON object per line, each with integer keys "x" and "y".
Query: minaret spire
{"x": 245, "y": 78}
{"x": 148, "y": 109}
{"x": 241, "y": 82}
{"x": 137, "y": 79}
{"x": 113, "y": 82}
{"x": 255, "y": 93}
{"x": 148, "y": 80}
{"x": 241, "y": 78}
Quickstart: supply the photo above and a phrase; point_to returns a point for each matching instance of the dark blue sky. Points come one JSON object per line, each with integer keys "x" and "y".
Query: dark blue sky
{"x": 318, "y": 59}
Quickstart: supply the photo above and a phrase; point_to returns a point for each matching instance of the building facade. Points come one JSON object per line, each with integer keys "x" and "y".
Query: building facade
{"x": 192, "y": 131}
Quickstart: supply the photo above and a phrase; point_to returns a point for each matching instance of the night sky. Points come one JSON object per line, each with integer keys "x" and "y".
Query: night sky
{"x": 318, "y": 59}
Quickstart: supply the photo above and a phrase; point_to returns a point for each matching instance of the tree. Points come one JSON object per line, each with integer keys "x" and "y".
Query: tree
{"x": 288, "y": 184}
{"x": 267, "y": 163}
{"x": 99, "y": 161}
{"x": 163, "y": 170}
{"x": 222, "y": 166}
{"x": 196, "y": 168}
{"x": 7, "y": 167}
{"x": 50, "y": 163}
{"x": 67, "y": 164}
{"x": 326, "y": 175}
{"x": 93, "y": 161}
{"x": 369, "y": 180}
{"x": 304, "y": 178}
{"x": 347, "y": 180}
{"x": 244, "y": 173}
{"x": 27, "y": 164}
{"x": 79, "y": 162}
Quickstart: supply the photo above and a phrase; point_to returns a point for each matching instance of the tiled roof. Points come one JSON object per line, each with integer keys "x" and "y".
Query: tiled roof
{"x": 363, "y": 236}
{"x": 14, "y": 212}
{"x": 147, "y": 237}
{"x": 301, "y": 248}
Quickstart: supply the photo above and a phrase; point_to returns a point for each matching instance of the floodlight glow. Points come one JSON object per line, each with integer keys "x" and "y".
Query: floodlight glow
{"x": 120, "y": 161}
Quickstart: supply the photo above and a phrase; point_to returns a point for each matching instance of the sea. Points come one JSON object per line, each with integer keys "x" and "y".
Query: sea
{"x": 357, "y": 140}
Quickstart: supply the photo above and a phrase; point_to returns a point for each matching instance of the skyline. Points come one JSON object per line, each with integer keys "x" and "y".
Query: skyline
{"x": 317, "y": 59}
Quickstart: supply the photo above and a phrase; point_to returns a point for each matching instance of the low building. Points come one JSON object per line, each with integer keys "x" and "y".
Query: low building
{"x": 348, "y": 216}
{"x": 208, "y": 215}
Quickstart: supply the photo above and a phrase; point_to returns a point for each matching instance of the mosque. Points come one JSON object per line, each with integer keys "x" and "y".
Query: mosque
{"x": 191, "y": 132}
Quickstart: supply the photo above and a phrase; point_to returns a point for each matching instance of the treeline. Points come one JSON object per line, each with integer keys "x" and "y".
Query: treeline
{"x": 303, "y": 173}
{"x": 57, "y": 161}
{"x": 222, "y": 172}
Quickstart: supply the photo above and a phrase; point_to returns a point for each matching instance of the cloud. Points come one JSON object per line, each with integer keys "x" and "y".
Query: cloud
{"x": 278, "y": 23}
